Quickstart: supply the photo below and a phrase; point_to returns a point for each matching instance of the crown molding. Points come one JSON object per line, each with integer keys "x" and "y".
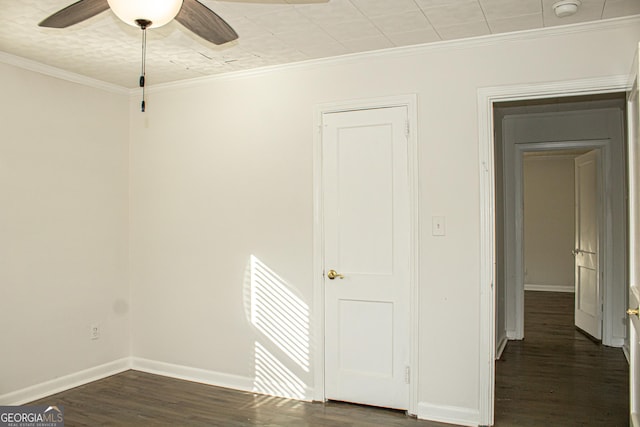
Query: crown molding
{"x": 469, "y": 43}
{"x": 48, "y": 70}
{"x": 474, "y": 42}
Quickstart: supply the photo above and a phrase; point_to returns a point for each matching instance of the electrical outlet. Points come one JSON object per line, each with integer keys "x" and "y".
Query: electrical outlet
{"x": 94, "y": 332}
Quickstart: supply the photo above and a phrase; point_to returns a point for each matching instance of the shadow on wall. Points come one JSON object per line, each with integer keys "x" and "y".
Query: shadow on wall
{"x": 281, "y": 320}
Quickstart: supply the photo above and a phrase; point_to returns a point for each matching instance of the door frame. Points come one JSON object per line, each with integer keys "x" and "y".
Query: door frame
{"x": 632, "y": 171}
{"x": 604, "y": 217}
{"x": 318, "y": 316}
{"x": 487, "y": 96}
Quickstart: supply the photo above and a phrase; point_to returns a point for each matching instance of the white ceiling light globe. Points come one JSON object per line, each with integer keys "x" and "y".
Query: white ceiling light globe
{"x": 159, "y": 12}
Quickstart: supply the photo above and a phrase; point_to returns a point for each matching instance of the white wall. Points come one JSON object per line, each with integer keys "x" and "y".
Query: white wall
{"x": 63, "y": 228}
{"x": 222, "y": 170}
{"x": 549, "y": 225}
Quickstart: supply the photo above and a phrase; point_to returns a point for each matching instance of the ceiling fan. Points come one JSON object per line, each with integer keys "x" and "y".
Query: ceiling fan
{"x": 145, "y": 14}
{"x": 149, "y": 14}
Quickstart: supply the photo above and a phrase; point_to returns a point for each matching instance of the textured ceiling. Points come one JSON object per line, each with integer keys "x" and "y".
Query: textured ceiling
{"x": 271, "y": 32}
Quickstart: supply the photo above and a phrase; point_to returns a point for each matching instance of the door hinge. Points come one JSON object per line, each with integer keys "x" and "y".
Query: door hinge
{"x": 407, "y": 128}
{"x": 407, "y": 375}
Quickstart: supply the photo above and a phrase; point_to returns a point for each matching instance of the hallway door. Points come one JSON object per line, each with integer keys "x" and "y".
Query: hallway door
{"x": 366, "y": 256}
{"x": 588, "y": 300}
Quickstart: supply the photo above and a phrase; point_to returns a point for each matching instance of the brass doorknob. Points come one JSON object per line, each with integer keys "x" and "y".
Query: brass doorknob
{"x": 332, "y": 274}
{"x": 633, "y": 311}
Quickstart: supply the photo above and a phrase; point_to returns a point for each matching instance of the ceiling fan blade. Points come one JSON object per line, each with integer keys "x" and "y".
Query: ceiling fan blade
{"x": 205, "y": 22}
{"x": 77, "y": 12}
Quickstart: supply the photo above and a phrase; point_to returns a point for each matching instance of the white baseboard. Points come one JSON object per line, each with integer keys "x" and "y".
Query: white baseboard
{"x": 47, "y": 388}
{"x": 192, "y": 374}
{"x": 625, "y": 350}
{"x": 615, "y": 342}
{"x": 549, "y": 288}
{"x": 204, "y": 376}
{"x": 513, "y": 335}
{"x": 448, "y": 414}
{"x": 501, "y": 346}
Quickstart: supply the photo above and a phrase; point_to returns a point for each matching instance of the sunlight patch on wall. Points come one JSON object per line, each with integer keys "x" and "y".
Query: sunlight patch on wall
{"x": 282, "y": 346}
{"x": 279, "y": 314}
{"x": 274, "y": 378}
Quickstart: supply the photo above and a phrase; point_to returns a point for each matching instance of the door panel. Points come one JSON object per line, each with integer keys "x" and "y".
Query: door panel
{"x": 366, "y": 324}
{"x": 588, "y": 307}
{"x": 365, "y": 199}
{"x": 633, "y": 110}
{"x": 587, "y": 184}
{"x": 366, "y": 240}
{"x": 587, "y": 298}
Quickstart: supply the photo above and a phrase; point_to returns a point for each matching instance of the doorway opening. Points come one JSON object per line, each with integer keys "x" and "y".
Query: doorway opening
{"x": 537, "y": 232}
{"x": 561, "y": 210}
{"x": 568, "y": 124}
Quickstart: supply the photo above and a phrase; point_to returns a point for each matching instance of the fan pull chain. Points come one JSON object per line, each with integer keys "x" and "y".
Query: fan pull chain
{"x": 143, "y": 24}
{"x": 143, "y": 72}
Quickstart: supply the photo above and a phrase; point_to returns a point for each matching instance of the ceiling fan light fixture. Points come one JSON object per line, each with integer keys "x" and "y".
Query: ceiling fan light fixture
{"x": 158, "y": 12}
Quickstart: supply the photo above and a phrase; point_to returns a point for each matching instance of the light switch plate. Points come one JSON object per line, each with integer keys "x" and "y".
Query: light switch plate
{"x": 438, "y": 226}
{"x": 94, "y": 331}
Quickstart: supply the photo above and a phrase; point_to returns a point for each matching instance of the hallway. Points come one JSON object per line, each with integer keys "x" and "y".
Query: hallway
{"x": 556, "y": 376}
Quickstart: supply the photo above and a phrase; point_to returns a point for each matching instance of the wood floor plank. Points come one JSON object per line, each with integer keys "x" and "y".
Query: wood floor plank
{"x": 135, "y": 398}
{"x": 557, "y": 376}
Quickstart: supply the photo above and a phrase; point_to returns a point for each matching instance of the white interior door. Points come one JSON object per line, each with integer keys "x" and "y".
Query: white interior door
{"x": 366, "y": 256}
{"x": 588, "y": 306}
{"x": 634, "y": 244}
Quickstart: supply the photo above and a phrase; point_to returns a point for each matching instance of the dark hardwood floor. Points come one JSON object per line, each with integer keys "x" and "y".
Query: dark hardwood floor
{"x": 135, "y": 398}
{"x": 557, "y": 376}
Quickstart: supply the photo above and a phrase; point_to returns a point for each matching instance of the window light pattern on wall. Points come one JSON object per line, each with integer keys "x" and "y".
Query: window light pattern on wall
{"x": 282, "y": 319}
